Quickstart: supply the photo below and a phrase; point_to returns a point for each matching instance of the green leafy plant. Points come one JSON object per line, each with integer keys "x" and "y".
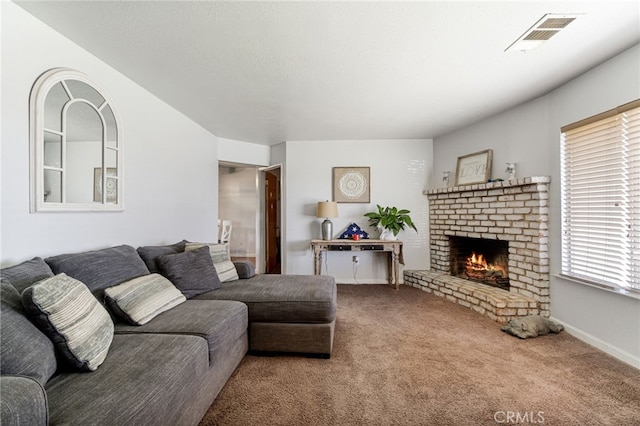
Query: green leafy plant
{"x": 391, "y": 218}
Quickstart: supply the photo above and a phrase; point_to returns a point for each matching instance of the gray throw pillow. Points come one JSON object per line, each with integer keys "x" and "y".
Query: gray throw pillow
{"x": 141, "y": 299}
{"x": 245, "y": 269}
{"x": 192, "y": 271}
{"x": 26, "y": 273}
{"x": 24, "y": 350}
{"x": 221, "y": 260}
{"x": 150, "y": 254}
{"x": 66, "y": 311}
{"x": 100, "y": 269}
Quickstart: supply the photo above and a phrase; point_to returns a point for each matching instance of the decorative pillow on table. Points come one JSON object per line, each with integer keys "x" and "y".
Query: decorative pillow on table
{"x": 221, "y": 260}
{"x": 150, "y": 254}
{"x": 192, "y": 272}
{"x": 142, "y": 299}
{"x": 78, "y": 325}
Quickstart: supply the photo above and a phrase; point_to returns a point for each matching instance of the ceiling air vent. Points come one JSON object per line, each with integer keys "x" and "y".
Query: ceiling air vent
{"x": 548, "y": 26}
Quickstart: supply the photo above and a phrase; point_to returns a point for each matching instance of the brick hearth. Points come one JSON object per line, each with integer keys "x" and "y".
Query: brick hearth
{"x": 515, "y": 211}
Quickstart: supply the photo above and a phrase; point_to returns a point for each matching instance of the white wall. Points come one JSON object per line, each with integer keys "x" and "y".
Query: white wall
{"x": 520, "y": 135}
{"x": 530, "y": 135}
{"x": 236, "y": 151}
{"x": 400, "y": 171}
{"x": 170, "y": 163}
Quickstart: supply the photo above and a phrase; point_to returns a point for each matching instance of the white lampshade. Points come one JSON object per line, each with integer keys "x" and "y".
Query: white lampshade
{"x": 327, "y": 209}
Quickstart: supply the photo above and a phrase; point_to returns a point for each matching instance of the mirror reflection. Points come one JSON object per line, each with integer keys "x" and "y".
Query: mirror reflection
{"x": 84, "y": 151}
{"x": 77, "y": 145}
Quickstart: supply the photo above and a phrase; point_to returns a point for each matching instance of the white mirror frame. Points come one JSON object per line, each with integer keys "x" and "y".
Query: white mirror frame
{"x": 39, "y": 93}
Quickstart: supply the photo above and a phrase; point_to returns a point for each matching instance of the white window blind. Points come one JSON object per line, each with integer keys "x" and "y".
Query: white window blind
{"x": 601, "y": 198}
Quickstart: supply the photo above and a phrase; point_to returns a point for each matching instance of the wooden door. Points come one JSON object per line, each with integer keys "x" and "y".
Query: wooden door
{"x": 272, "y": 225}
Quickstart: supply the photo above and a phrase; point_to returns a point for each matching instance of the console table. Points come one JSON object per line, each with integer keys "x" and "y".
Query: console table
{"x": 392, "y": 248}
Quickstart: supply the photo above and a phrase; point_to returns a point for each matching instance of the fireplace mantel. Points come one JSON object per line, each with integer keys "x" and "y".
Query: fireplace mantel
{"x": 514, "y": 210}
{"x": 490, "y": 185}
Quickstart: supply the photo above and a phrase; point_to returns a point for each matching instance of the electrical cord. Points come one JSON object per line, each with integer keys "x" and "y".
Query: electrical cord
{"x": 326, "y": 264}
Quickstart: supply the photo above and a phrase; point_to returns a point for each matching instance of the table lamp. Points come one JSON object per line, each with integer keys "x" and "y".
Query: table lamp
{"x": 327, "y": 209}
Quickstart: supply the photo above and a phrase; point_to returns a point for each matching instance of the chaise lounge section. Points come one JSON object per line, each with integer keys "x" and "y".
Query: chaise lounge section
{"x": 285, "y": 317}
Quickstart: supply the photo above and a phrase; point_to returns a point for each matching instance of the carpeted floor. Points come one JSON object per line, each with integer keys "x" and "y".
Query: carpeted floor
{"x": 409, "y": 358}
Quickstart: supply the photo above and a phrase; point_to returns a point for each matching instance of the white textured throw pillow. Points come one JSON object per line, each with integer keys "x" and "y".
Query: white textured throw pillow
{"x": 221, "y": 260}
{"x": 77, "y": 324}
{"x": 141, "y": 299}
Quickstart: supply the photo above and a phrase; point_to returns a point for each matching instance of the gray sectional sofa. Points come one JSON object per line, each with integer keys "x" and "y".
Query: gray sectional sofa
{"x": 167, "y": 369}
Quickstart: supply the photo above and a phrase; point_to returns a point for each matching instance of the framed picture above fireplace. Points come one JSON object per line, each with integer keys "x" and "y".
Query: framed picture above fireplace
{"x": 474, "y": 168}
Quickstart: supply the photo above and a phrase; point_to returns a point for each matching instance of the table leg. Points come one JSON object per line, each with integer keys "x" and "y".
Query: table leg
{"x": 396, "y": 269}
{"x": 390, "y": 268}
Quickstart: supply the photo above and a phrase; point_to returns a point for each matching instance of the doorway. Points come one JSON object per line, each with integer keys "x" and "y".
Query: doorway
{"x": 239, "y": 204}
{"x": 272, "y": 219}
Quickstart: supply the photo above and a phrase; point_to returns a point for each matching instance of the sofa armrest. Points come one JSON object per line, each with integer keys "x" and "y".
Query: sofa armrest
{"x": 245, "y": 268}
{"x": 23, "y": 402}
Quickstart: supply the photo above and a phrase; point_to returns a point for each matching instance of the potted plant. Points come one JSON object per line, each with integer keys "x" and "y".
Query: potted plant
{"x": 390, "y": 221}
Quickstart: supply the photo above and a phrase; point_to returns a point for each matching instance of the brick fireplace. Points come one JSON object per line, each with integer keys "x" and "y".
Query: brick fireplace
{"x": 513, "y": 213}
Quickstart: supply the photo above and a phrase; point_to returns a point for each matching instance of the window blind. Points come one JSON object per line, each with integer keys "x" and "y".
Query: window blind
{"x": 601, "y": 198}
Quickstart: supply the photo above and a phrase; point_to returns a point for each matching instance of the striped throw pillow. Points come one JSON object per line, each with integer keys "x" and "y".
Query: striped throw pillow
{"x": 78, "y": 325}
{"x": 221, "y": 260}
{"x": 141, "y": 299}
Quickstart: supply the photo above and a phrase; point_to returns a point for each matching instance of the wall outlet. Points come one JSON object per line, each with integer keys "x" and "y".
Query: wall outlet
{"x": 355, "y": 259}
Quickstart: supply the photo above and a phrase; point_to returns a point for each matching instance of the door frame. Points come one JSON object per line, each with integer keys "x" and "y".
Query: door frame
{"x": 261, "y": 261}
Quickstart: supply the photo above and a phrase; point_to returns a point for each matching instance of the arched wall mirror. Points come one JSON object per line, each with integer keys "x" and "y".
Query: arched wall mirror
{"x": 76, "y": 145}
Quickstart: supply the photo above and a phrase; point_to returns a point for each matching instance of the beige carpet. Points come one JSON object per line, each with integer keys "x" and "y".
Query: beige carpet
{"x": 409, "y": 358}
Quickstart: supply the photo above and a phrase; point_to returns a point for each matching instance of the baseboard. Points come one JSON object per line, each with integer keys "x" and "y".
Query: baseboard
{"x": 363, "y": 281}
{"x": 603, "y": 346}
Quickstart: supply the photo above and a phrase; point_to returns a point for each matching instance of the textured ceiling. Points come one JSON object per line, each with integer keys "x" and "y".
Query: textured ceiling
{"x": 266, "y": 72}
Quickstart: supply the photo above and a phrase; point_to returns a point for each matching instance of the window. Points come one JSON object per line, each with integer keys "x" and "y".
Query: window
{"x": 601, "y": 198}
{"x": 76, "y": 147}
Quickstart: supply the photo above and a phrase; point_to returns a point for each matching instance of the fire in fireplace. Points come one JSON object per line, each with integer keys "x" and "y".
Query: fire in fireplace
{"x": 480, "y": 260}
{"x": 477, "y": 269}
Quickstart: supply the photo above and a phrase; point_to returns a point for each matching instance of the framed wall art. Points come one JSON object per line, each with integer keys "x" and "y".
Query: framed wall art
{"x": 474, "y": 168}
{"x": 351, "y": 185}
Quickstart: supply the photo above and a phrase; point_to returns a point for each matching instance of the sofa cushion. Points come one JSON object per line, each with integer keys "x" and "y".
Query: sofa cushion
{"x": 221, "y": 259}
{"x": 141, "y": 299}
{"x": 192, "y": 271}
{"x": 26, "y": 273}
{"x": 24, "y": 402}
{"x": 100, "y": 269}
{"x": 282, "y": 298}
{"x": 25, "y": 350}
{"x": 146, "y": 380}
{"x": 149, "y": 254}
{"x": 244, "y": 268}
{"x": 79, "y": 327}
{"x": 218, "y": 321}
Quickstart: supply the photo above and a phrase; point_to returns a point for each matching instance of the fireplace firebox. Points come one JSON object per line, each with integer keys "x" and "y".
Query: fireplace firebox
{"x": 480, "y": 260}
